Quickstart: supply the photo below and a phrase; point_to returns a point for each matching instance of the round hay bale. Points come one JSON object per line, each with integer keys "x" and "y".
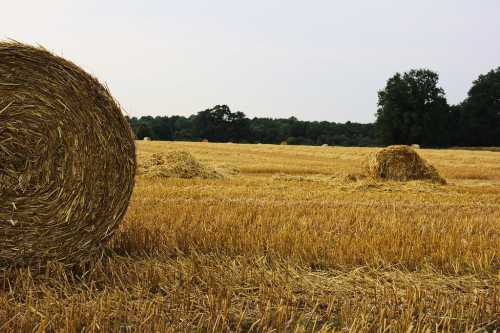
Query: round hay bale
{"x": 401, "y": 163}
{"x": 415, "y": 146}
{"x": 146, "y": 138}
{"x": 67, "y": 160}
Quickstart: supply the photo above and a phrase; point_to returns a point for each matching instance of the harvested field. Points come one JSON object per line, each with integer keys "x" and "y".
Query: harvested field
{"x": 296, "y": 241}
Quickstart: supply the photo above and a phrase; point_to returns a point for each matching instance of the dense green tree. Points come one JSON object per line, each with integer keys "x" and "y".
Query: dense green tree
{"x": 479, "y": 114}
{"x": 219, "y": 124}
{"x": 134, "y": 123}
{"x": 455, "y": 126}
{"x": 266, "y": 130}
{"x": 162, "y": 128}
{"x": 183, "y": 128}
{"x": 413, "y": 109}
{"x": 239, "y": 127}
{"x": 143, "y": 130}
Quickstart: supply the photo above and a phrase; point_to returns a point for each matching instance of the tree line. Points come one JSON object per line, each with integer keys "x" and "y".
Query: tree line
{"x": 220, "y": 124}
{"x": 412, "y": 109}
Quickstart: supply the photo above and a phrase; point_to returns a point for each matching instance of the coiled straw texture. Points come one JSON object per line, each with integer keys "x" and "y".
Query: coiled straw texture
{"x": 67, "y": 160}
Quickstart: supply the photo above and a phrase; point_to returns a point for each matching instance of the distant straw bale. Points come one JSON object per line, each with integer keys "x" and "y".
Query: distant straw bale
{"x": 176, "y": 164}
{"x": 415, "y": 146}
{"x": 401, "y": 163}
{"x": 67, "y": 160}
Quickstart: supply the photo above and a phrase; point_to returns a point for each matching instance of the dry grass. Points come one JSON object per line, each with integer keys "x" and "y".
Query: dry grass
{"x": 297, "y": 241}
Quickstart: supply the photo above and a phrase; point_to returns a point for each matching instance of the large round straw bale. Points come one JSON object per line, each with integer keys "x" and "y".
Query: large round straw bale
{"x": 67, "y": 159}
{"x": 401, "y": 163}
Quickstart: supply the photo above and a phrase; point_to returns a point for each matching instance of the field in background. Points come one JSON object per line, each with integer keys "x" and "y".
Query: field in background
{"x": 290, "y": 240}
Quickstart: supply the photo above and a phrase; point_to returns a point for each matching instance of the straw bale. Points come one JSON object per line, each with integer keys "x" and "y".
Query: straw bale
{"x": 401, "y": 163}
{"x": 67, "y": 160}
{"x": 176, "y": 164}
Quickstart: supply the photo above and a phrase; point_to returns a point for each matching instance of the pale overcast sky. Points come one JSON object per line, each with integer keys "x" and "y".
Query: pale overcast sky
{"x": 316, "y": 60}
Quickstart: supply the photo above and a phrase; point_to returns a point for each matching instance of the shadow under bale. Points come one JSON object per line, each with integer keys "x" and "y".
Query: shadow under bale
{"x": 67, "y": 160}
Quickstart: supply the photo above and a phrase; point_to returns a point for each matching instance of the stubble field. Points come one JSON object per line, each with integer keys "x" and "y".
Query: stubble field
{"x": 291, "y": 240}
